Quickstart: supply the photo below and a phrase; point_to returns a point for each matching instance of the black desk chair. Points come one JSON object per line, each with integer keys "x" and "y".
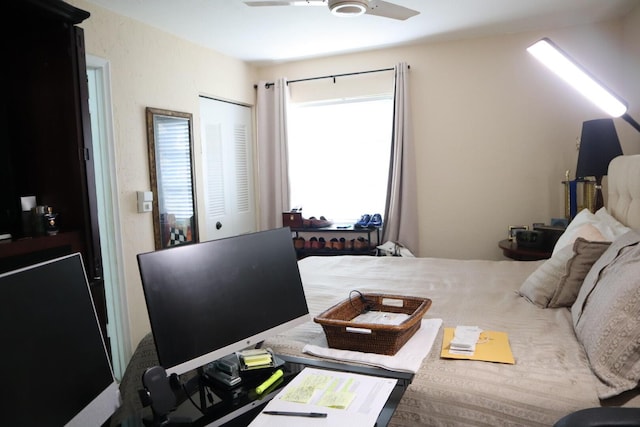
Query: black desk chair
{"x": 601, "y": 417}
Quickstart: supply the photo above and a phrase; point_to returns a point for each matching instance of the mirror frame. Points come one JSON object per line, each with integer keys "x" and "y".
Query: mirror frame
{"x": 161, "y": 228}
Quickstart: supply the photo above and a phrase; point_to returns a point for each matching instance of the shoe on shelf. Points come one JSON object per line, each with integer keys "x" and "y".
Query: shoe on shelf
{"x": 375, "y": 221}
{"x": 348, "y": 244}
{"x": 363, "y": 221}
{"x": 319, "y": 223}
{"x": 322, "y": 244}
{"x": 337, "y": 244}
{"x": 314, "y": 243}
{"x": 328, "y": 245}
{"x": 361, "y": 244}
{"x": 299, "y": 242}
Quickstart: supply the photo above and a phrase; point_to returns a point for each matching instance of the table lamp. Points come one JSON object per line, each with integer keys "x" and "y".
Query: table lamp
{"x": 577, "y": 76}
{"x": 599, "y": 144}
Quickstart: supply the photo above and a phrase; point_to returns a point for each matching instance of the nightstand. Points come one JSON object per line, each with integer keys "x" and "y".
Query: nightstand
{"x": 511, "y": 250}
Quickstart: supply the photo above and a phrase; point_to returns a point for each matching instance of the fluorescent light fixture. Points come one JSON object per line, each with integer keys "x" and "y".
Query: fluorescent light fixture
{"x": 566, "y": 68}
{"x": 348, "y": 7}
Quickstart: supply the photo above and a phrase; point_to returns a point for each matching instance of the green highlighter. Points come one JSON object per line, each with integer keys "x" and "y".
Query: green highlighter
{"x": 272, "y": 379}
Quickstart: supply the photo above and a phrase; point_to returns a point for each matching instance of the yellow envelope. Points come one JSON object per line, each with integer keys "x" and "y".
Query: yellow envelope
{"x": 492, "y": 346}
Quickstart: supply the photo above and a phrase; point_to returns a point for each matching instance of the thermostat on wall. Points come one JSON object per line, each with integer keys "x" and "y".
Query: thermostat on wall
{"x": 145, "y": 199}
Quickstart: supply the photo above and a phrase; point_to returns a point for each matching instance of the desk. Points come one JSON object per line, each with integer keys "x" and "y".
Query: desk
{"x": 511, "y": 250}
{"x": 237, "y": 407}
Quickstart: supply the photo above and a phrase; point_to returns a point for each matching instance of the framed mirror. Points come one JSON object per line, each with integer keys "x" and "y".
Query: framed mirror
{"x": 170, "y": 139}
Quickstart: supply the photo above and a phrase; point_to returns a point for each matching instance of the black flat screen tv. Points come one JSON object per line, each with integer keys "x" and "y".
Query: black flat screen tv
{"x": 55, "y": 367}
{"x": 207, "y": 300}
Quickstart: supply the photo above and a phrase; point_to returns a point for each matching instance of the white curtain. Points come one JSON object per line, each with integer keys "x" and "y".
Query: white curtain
{"x": 401, "y": 211}
{"x": 273, "y": 174}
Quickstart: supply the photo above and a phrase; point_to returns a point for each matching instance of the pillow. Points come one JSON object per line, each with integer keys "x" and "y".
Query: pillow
{"x": 608, "y": 326}
{"x": 540, "y": 287}
{"x": 609, "y": 226}
{"x": 583, "y": 218}
{"x": 585, "y": 221}
{"x": 628, "y": 239}
{"x": 585, "y": 254}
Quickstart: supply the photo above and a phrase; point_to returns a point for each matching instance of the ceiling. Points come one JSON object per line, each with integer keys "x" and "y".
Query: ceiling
{"x": 287, "y": 33}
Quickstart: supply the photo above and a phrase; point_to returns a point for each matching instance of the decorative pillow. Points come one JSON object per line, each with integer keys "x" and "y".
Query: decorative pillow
{"x": 540, "y": 287}
{"x": 590, "y": 281}
{"x": 608, "y": 325}
{"x": 585, "y": 254}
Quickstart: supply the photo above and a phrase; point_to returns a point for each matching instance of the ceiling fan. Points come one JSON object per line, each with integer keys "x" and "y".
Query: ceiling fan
{"x": 348, "y": 7}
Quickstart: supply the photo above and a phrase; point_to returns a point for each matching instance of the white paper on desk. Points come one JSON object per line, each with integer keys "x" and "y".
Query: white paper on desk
{"x": 407, "y": 359}
{"x": 371, "y": 394}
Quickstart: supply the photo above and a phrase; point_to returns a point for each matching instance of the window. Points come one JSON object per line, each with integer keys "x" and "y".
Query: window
{"x": 339, "y": 157}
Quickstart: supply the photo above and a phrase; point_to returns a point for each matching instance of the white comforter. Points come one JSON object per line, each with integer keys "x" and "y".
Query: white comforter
{"x": 551, "y": 376}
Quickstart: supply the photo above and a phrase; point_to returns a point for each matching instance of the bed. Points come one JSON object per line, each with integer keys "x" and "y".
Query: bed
{"x": 573, "y": 320}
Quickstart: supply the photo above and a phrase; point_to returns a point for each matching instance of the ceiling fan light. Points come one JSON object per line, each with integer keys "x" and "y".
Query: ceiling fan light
{"x": 348, "y": 7}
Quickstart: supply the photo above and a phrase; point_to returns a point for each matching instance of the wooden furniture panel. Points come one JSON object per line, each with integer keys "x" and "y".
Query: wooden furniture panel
{"x": 511, "y": 250}
{"x": 45, "y": 137}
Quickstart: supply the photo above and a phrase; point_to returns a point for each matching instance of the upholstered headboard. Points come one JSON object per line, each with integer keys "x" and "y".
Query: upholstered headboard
{"x": 624, "y": 190}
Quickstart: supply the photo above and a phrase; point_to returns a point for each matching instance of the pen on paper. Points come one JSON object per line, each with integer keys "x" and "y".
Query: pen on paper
{"x": 297, "y": 414}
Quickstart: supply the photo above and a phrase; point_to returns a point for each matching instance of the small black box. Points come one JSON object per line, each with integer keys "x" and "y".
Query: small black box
{"x": 530, "y": 239}
{"x": 551, "y": 234}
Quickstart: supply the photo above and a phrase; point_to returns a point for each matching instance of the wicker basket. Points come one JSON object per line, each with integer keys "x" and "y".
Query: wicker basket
{"x": 343, "y": 334}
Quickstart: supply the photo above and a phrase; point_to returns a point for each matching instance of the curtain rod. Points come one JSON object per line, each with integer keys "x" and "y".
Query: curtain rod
{"x": 333, "y": 76}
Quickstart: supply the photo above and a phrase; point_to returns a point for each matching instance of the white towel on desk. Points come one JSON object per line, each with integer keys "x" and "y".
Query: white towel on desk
{"x": 407, "y": 359}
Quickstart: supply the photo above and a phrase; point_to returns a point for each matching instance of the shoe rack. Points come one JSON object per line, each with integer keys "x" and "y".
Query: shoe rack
{"x": 336, "y": 239}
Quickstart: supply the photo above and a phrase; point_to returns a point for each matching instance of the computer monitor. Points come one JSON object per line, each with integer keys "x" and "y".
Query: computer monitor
{"x": 207, "y": 300}
{"x": 55, "y": 366}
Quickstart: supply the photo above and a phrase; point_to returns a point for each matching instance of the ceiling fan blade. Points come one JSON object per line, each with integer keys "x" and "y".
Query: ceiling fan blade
{"x": 286, "y": 3}
{"x": 390, "y": 10}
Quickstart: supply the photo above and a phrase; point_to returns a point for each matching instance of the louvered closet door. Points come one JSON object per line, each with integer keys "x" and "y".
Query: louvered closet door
{"x": 226, "y": 135}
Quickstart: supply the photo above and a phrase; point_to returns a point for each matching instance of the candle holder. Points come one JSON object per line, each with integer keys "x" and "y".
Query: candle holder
{"x": 37, "y": 220}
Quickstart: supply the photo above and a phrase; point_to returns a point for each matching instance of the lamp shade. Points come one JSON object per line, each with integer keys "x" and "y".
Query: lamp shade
{"x": 599, "y": 144}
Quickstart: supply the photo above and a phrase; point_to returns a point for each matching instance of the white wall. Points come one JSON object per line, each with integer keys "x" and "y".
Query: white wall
{"x": 495, "y": 131}
{"x": 155, "y": 69}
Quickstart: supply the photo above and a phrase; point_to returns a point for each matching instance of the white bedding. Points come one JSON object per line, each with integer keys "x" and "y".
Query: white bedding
{"x": 551, "y": 376}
